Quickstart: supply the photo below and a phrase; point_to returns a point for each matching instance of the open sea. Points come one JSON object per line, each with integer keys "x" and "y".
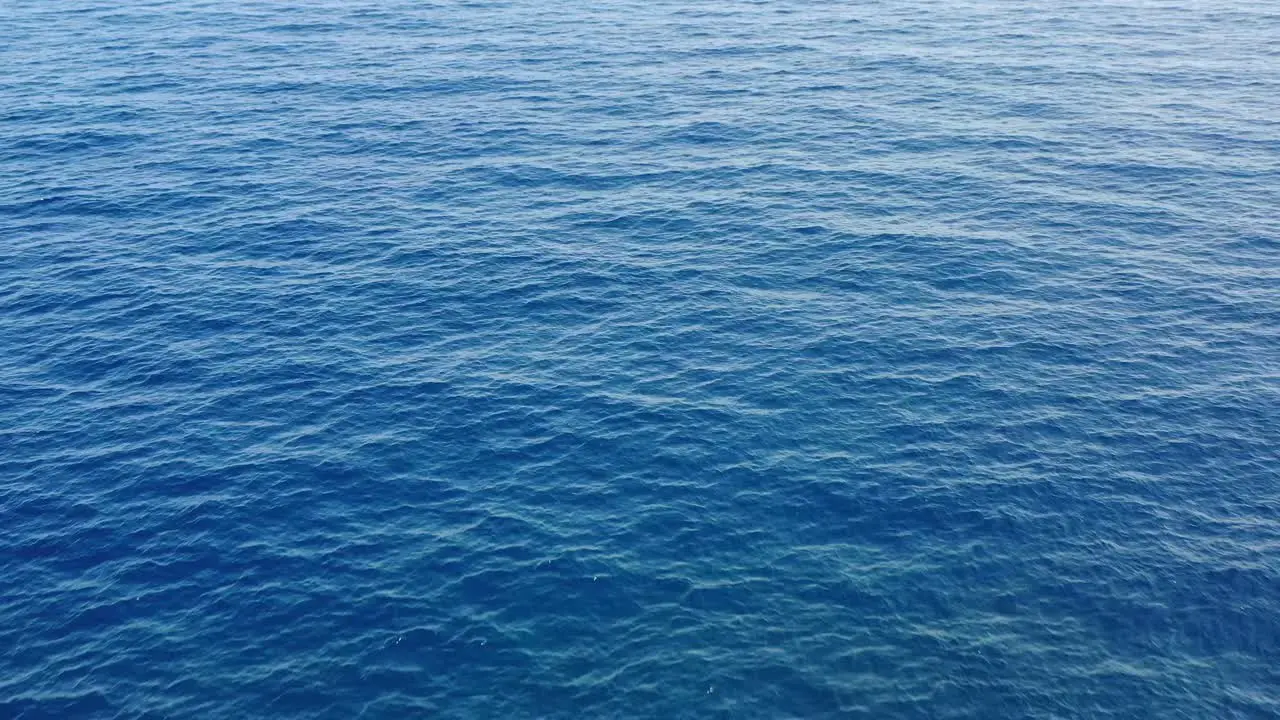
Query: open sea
{"x": 652, "y": 359}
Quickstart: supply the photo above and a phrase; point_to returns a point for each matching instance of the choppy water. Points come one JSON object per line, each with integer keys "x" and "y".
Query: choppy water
{"x": 538, "y": 359}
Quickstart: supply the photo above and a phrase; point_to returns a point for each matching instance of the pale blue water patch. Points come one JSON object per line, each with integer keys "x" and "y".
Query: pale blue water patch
{"x": 537, "y": 359}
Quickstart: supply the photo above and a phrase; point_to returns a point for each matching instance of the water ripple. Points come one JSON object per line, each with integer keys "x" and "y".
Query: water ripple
{"x": 912, "y": 359}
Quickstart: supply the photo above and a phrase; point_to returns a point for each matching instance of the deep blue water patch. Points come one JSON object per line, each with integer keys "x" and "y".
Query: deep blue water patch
{"x": 535, "y": 359}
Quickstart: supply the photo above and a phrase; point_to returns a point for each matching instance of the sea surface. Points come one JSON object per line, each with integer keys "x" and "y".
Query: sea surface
{"x": 638, "y": 359}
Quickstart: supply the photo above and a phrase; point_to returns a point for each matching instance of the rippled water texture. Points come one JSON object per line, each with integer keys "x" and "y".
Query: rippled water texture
{"x": 705, "y": 359}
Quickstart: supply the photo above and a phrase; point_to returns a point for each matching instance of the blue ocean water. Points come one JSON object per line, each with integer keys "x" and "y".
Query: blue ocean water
{"x": 704, "y": 359}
